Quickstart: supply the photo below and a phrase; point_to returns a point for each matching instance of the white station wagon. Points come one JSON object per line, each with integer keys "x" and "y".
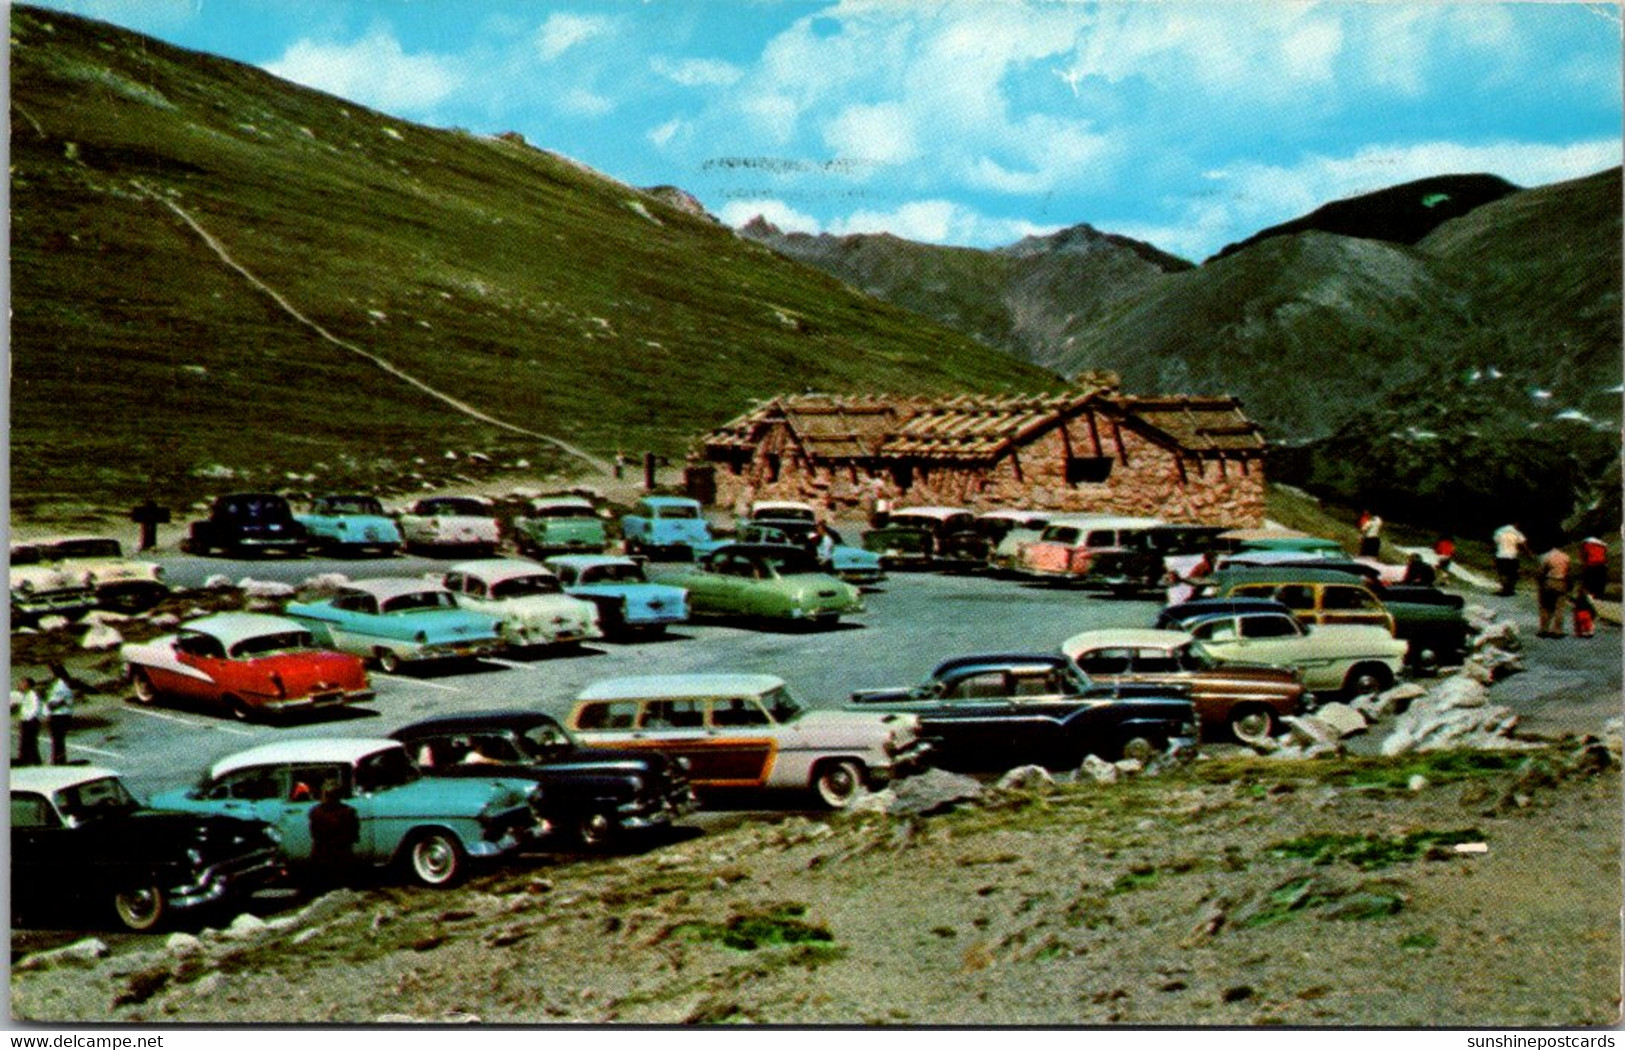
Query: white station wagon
{"x": 528, "y": 599}
{"x": 747, "y": 731}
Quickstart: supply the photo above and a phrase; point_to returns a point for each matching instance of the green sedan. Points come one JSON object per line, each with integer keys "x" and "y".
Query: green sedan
{"x": 765, "y": 581}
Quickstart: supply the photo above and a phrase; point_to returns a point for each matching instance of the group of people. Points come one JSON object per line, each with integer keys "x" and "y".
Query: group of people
{"x": 53, "y": 712}
{"x": 1556, "y": 579}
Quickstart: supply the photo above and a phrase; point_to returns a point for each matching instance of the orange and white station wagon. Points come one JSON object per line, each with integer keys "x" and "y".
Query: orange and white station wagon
{"x": 746, "y": 731}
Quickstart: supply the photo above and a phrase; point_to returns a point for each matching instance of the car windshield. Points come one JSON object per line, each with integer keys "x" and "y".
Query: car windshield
{"x": 385, "y": 769}
{"x": 257, "y": 508}
{"x": 472, "y": 508}
{"x": 782, "y": 706}
{"x": 790, "y": 561}
{"x": 619, "y": 572}
{"x": 525, "y": 586}
{"x": 420, "y": 600}
{"x": 97, "y": 548}
{"x": 566, "y": 511}
{"x": 784, "y": 514}
{"x": 281, "y": 642}
{"x": 95, "y": 799}
{"x": 547, "y": 740}
{"x": 1060, "y": 534}
{"x": 349, "y": 505}
{"x": 681, "y": 511}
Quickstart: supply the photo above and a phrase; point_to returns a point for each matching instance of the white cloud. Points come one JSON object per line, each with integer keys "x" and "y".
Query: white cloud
{"x": 780, "y": 214}
{"x": 696, "y": 72}
{"x": 374, "y": 71}
{"x": 562, "y": 31}
{"x": 580, "y": 102}
{"x": 879, "y": 134}
{"x": 775, "y": 116}
{"x": 938, "y": 222}
{"x": 663, "y": 134}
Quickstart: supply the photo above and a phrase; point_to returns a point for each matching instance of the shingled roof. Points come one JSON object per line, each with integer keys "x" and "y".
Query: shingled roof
{"x": 1195, "y": 425}
{"x": 975, "y": 428}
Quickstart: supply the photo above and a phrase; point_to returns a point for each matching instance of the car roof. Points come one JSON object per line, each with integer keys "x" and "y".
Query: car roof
{"x": 1112, "y": 521}
{"x": 348, "y": 750}
{"x": 1286, "y": 574}
{"x": 1114, "y": 637}
{"x": 671, "y": 686}
{"x": 667, "y": 501}
{"x": 587, "y": 561}
{"x": 484, "y": 501}
{"x": 761, "y": 550}
{"x": 475, "y": 720}
{"x": 930, "y": 512}
{"x": 1080, "y": 519}
{"x": 1013, "y": 514}
{"x": 50, "y": 779}
{"x": 391, "y": 586}
{"x": 995, "y": 660}
{"x": 232, "y": 627}
{"x": 495, "y": 570}
{"x": 343, "y": 495}
{"x": 779, "y": 504}
{"x": 544, "y": 502}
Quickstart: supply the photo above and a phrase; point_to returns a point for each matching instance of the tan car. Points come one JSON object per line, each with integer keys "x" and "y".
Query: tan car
{"x": 746, "y": 731}
{"x": 1244, "y": 701}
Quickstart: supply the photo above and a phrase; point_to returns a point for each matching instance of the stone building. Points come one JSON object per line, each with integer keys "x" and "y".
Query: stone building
{"x": 1180, "y": 458}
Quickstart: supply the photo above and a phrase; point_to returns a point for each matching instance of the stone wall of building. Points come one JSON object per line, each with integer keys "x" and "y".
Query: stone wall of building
{"x": 1146, "y": 479}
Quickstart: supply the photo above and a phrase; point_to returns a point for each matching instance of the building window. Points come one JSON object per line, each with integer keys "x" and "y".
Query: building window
{"x": 1088, "y": 470}
{"x": 902, "y": 476}
{"x": 772, "y": 467}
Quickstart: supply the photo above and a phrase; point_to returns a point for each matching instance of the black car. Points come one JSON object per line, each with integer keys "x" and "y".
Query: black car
{"x": 989, "y": 713}
{"x": 248, "y": 523}
{"x": 1138, "y": 565}
{"x": 83, "y": 849}
{"x": 1177, "y": 617}
{"x": 593, "y": 795}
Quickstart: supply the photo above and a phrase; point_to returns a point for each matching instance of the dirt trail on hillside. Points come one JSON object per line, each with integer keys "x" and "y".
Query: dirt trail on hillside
{"x": 287, "y": 307}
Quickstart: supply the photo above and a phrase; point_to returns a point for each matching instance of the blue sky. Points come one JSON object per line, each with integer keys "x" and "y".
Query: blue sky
{"x": 1187, "y": 124}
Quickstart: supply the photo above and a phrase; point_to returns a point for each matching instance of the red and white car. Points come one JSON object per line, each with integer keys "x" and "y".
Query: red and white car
{"x": 250, "y": 664}
{"x": 467, "y": 522}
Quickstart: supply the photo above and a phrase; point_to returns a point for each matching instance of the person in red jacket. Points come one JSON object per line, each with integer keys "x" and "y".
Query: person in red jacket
{"x": 1593, "y": 566}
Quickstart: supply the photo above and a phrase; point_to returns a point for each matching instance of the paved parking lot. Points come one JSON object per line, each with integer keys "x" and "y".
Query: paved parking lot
{"x": 914, "y": 621}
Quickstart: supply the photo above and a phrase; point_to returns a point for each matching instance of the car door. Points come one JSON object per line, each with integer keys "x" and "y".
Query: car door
{"x": 203, "y": 654}
{"x": 1346, "y": 603}
{"x": 677, "y": 727}
{"x": 262, "y": 793}
{"x": 742, "y": 746}
{"x": 717, "y": 585}
{"x": 48, "y": 859}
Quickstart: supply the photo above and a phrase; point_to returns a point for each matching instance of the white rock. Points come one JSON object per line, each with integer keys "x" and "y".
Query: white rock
{"x": 1129, "y": 766}
{"x": 326, "y": 581}
{"x": 181, "y": 943}
{"x": 101, "y": 636}
{"x": 52, "y": 623}
{"x": 1025, "y": 778}
{"x": 1458, "y": 691}
{"x": 103, "y": 616}
{"x": 79, "y": 953}
{"x": 265, "y": 588}
{"x": 218, "y": 582}
{"x": 1418, "y": 782}
{"x": 1343, "y": 719}
{"x": 244, "y": 925}
{"x": 1308, "y": 730}
{"x": 1098, "y": 769}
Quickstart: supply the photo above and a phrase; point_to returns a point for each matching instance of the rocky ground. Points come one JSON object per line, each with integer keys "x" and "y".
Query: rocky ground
{"x": 1448, "y": 888}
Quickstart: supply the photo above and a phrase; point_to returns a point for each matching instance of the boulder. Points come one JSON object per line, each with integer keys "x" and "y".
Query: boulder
{"x": 1491, "y": 665}
{"x": 1026, "y": 778}
{"x": 101, "y": 636}
{"x": 244, "y": 926}
{"x": 163, "y": 620}
{"x": 933, "y": 791}
{"x": 1343, "y": 719}
{"x": 1129, "y": 767}
{"x": 1457, "y": 691}
{"x": 98, "y": 616}
{"x": 265, "y": 588}
{"x": 873, "y": 802}
{"x": 1098, "y": 769}
{"x": 182, "y": 943}
{"x": 1480, "y": 618}
{"x": 1502, "y": 635}
{"x": 325, "y": 581}
{"x": 1308, "y": 730}
{"x": 218, "y": 582}
{"x": 52, "y": 623}
{"x": 79, "y": 953}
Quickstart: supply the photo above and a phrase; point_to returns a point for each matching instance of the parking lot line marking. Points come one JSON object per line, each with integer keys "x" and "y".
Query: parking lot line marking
{"x": 189, "y": 722}
{"x": 508, "y": 663}
{"x": 416, "y": 681}
{"x": 95, "y": 750}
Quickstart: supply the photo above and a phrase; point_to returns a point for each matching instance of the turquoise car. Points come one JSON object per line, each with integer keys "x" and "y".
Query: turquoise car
{"x": 392, "y": 622}
{"x": 560, "y": 523}
{"x": 767, "y": 581}
{"x": 350, "y": 524}
{"x": 431, "y": 827}
{"x": 669, "y": 525}
{"x": 626, "y": 600}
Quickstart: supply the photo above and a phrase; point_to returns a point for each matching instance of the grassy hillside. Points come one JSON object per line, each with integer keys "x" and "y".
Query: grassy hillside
{"x": 516, "y": 280}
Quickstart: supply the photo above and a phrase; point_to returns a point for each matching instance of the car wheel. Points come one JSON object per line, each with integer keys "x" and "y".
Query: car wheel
{"x": 594, "y": 831}
{"x": 1252, "y": 723}
{"x": 140, "y": 908}
{"x": 1367, "y": 678}
{"x": 239, "y": 708}
{"x": 145, "y": 691}
{"x": 435, "y": 858}
{"x": 387, "y": 660}
{"x": 1139, "y": 748}
{"x": 838, "y": 783}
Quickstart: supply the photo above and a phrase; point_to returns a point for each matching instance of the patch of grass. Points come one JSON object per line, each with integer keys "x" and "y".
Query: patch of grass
{"x": 1139, "y": 878}
{"x": 1420, "y": 941}
{"x": 775, "y": 926}
{"x": 1369, "y": 851}
{"x": 1306, "y": 893}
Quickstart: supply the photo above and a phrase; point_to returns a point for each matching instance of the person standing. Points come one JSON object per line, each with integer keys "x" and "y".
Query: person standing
{"x": 1370, "y": 535}
{"x": 59, "y": 713}
{"x": 25, "y": 698}
{"x": 335, "y": 828}
{"x": 1593, "y": 566}
{"x": 824, "y": 548}
{"x": 1509, "y": 543}
{"x": 1444, "y": 552}
{"x": 1552, "y": 584}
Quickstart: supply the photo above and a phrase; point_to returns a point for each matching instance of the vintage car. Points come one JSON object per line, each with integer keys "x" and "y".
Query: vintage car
{"x": 247, "y": 523}
{"x": 560, "y": 523}
{"x": 350, "y": 525}
{"x": 81, "y": 843}
{"x": 921, "y": 537}
{"x": 430, "y": 826}
{"x": 435, "y": 522}
{"x": 398, "y": 621}
{"x": 746, "y": 731}
{"x": 1350, "y": 659}
{"x": 665, "y": 525}
{"x": 39, "y": 588}
{"x": 249, "y": 664}
{"x": 1147, "y": 557}
{"x": 1006, "y": 531}
{"x": 765, "y": 581}
{"x": 992, "y": 712}
{"x": 1278, "y": 540}
{"x": 525, "y": 597}
{"x": 99, "y": 563}
{"x": 621, "y": 590}
{"x": 593, "y": 796}
{"x": 1431, "y": 620}
{"x": 1070, "y": 544}
{"x": 852, "y": 564}
{"x": 1243, "y": 701}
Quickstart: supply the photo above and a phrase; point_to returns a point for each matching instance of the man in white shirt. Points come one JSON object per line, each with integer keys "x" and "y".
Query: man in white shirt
{"x": 25, "y": 698}
{"x": 1509, "y": 543}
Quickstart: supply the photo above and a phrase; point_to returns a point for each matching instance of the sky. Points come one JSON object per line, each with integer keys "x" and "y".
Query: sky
{"x": 968, "y": 122}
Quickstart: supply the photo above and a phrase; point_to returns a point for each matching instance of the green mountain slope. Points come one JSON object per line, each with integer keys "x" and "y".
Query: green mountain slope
{"x": 513, "y": 279}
